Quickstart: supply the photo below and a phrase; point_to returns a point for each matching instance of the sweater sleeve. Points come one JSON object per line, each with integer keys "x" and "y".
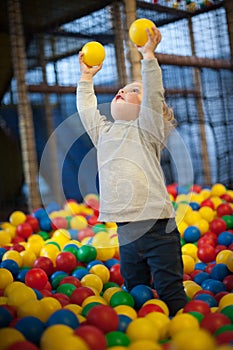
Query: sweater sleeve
{"x": 93, "y": 122}
{"x": 151, "y": 119}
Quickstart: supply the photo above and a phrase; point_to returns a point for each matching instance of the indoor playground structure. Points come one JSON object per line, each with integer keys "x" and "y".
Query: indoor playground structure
{"x": 60, "y": 281}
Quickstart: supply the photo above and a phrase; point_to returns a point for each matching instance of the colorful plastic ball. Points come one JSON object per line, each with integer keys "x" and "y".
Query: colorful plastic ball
{"x": 142, "y": 344}
{"x": 63, "y": 316}
{"x": 228, "y": 282}
{"x": 137, "y": 31}
{"x": 141, "y": 293}
{"x": 193, "y": 339}
{"x": 36, "y": 278}
{"x": 5, "y": 317}
{"x": 228, "y": 220}
{"x": 13, "y": 255}
{"x": 213, "y": 321}
{"x": 31, "y": 327}
{"x": 93, "y": 336}
{"x": 188, "y": 263}
{"x": 183, "y": 321}
{"x": 9, "y": 336}
{"x": 228, "y": 311}
{"x": 142, "y": 329}
{"x": 224, "y": 209}
{"x": 146, "y": 309}
{"x": 17, "y": 218}
{"x": 80, "y": 272}
{"x": 23, "y": 345}
{"x": 124, "y": 321}
{"x": 6, "y": 277}
{"x": 66, "y": 288}
{"x": 86, "y": 253}
{"x": 222, "y": 256}
{"x": 115, "y": 274}
{"x": 80, "y": 294}
{"x": 213, "y": 285}
{"x": 92, "y": 280}
{"x": 66, "y": 261}
{"x": 225, "y": 338}
{"x": 122, "y": 298}
{"x": 191, "y": 234}
{"x": 49, "y": 305}
{"x": 160, "y": 303}
{"x": 191, "y": 288}
{"x": 101, "y": 271}
{"x": 117, "y": 338}
{"x": 200, "y": 277}
{"x": 219, "y": 272}
{"x": 161, "y": 323}
{"x": 56, "y": 278}
{"x": 206, "y": 253}
{"x": 225, "y": 238}
{"x": 5, "y": 238}
{"x": 44, "y": 263}
{"x": 209, "y": 299}
{"x": 218, "y": 225}
{"x": 197, "y": 305}
{"x": 93, "y": 53}
{"x": 103, "y": 317}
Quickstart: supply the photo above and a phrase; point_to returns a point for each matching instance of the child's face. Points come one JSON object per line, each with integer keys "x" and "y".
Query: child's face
{"x": 126, "y": 104}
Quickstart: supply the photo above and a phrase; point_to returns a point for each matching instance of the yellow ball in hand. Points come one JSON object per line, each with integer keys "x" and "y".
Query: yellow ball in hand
{"x": 137, "y": 31}
{"x": 94, "y": 53}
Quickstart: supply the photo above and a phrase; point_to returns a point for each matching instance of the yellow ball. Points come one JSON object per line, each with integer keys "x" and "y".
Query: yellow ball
{"x": 143, "y": 344}
{"x": 78, "y": 222}
{"x": 207, "y": 213}
{"x": 142, "y": 329}
{"x": 194, "y": 339}
{"x": 101, "y": 271}
{"x": 74, "y": 307}
{"x": 5, "y": 238}
{"x": 226, "y": 300}
{"x": 202, "y": 225}
{"x": 160, "y": 303}
{"x": 17, "y": 218}
{"x": 191, "y": 288}
{"x": 190, "y": 249}
{"x": 222, "y": 256}
{"x": 94, "y": 53}
{"x": 229, "y": 262}
{"x": 161, "y": 323}
{"x": 30, "y": 308}
{"x": 137, "y": 31}
{"x": 218, "y": 190}
{"x": 6, "y": 278}
{"x": 49, "y": 305}
{"x": 92, "y": 280}
{"x": 93, "y": 299}
{"x": 105, "y": 253}
{"x": 184, "y": 322}
{"x": 28, "y": 258}
{"x": 126, "y": 310}
{"x": 9, "y": 336}
{"x": 189, "y": 263}
{"x": 19, "y": 295}
{"x": 13, "y": 255}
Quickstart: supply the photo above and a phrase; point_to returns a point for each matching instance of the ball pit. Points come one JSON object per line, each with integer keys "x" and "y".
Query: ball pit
{"x": 61, "y": 285}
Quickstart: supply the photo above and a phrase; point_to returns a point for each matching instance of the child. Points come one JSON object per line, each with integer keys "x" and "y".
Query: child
{"x": 132, "y": 189}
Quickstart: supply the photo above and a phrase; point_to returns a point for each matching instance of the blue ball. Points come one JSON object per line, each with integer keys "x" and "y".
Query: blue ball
{"x": 94, "y": 262}
{"x": 22, "y": 273}
{"x": 225, "y": 238}
{"x": 2, "y": 252}
{"x": 31, "y": 327}
{"x": 45, "y": 224}
{"x": 141, "y": 293}
{"x": 5, "y": 317}
{"x": 194, "y": 205}
{"x": 80, "y": 272}
{"x": 63, "y": 316}
{"x": 10, "y": 265}
{"x": 192, "y": 234}
{"x": 124, "y": 321}
{"x": 200, "y": 277}
{"x": 207, "y": 298}
{"x": 200, "y": 266}
{"x": 110, "y": 262}
{"x": 213, "y": 286}
{"x": 219, "y": 272}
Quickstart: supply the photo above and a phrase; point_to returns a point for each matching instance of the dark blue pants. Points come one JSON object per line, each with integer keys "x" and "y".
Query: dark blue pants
{"x": 150, "y": 254}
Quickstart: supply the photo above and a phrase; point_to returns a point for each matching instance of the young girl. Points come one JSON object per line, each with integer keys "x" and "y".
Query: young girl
{"x": 132, "y": 188}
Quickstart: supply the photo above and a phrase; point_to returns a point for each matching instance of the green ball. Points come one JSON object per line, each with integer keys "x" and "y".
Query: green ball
{"x": 71, "y": 248}
{"x": 88, "y": 307}
{"x": 44, "y": 235}
{"x": 56, "y": 280}
{"x": 117, "y": 338}
{"x": 99, "y": 228}
{"x": 86, "y": 253}
{"x": 228, "y": 311}
{"x": 109, "y": 285}
{"x": 228, "y": 220}
{"x": 197, "y": 315}
{"x": 227, "y": 327}
{"x": 122, "y": 298}
{"x": 66, "y": 288}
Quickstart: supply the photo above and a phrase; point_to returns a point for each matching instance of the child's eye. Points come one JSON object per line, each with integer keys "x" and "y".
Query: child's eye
{"x": 136, "y": 91}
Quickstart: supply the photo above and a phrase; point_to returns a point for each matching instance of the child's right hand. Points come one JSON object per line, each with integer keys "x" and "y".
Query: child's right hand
{"x": 87, "y": 72}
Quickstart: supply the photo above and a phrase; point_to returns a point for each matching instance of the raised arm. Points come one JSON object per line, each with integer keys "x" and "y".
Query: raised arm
{"x": 86, "y": 102}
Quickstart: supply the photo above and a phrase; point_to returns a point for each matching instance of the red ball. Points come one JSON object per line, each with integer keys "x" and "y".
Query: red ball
{"x": 206, "y": 240}
{"x": 146, "y": 309}
{"x": 197, "y": 305}
{"x": 18, "y": 247}
{"x": 207, "y": 203}
{"x": 224, "y": 209}
{"x": 187, "y": 277}
{"x": 36, "y": 278}
{"x": 92, "y": 220}
{"x": 66, "y": 261}
{"x": 213, "y": 321}
{"x": 72, "y": 280}
{"x": 218, "y": 225}
{"x": 206, "y": 253}
{"x": 226, "y": 197}
{"x": 33, "y": 222}
{"x": 44, "y": 263}
{"x": 103, "y": 317}
{"x": 24, "y": 230}
{"x": 225, "y": 338}
{"x": 228, "y": 282}
{"x": 219, "y": 248}
{"x": 115, "y": 274}
{"x": 59, "y": 222}
{"x": 23, "y": 345}
{"x": 210, "y": 267}
{"x": 196, "y": 188}
{"x": 172, "y": 189}
{"x": 80, "y": 294}
{"x": 93, "y": 336}
{"x": 62, "y": 298}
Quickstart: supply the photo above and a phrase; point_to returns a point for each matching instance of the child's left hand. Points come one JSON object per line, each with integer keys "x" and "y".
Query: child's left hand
{"x": 85, "y": 69}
